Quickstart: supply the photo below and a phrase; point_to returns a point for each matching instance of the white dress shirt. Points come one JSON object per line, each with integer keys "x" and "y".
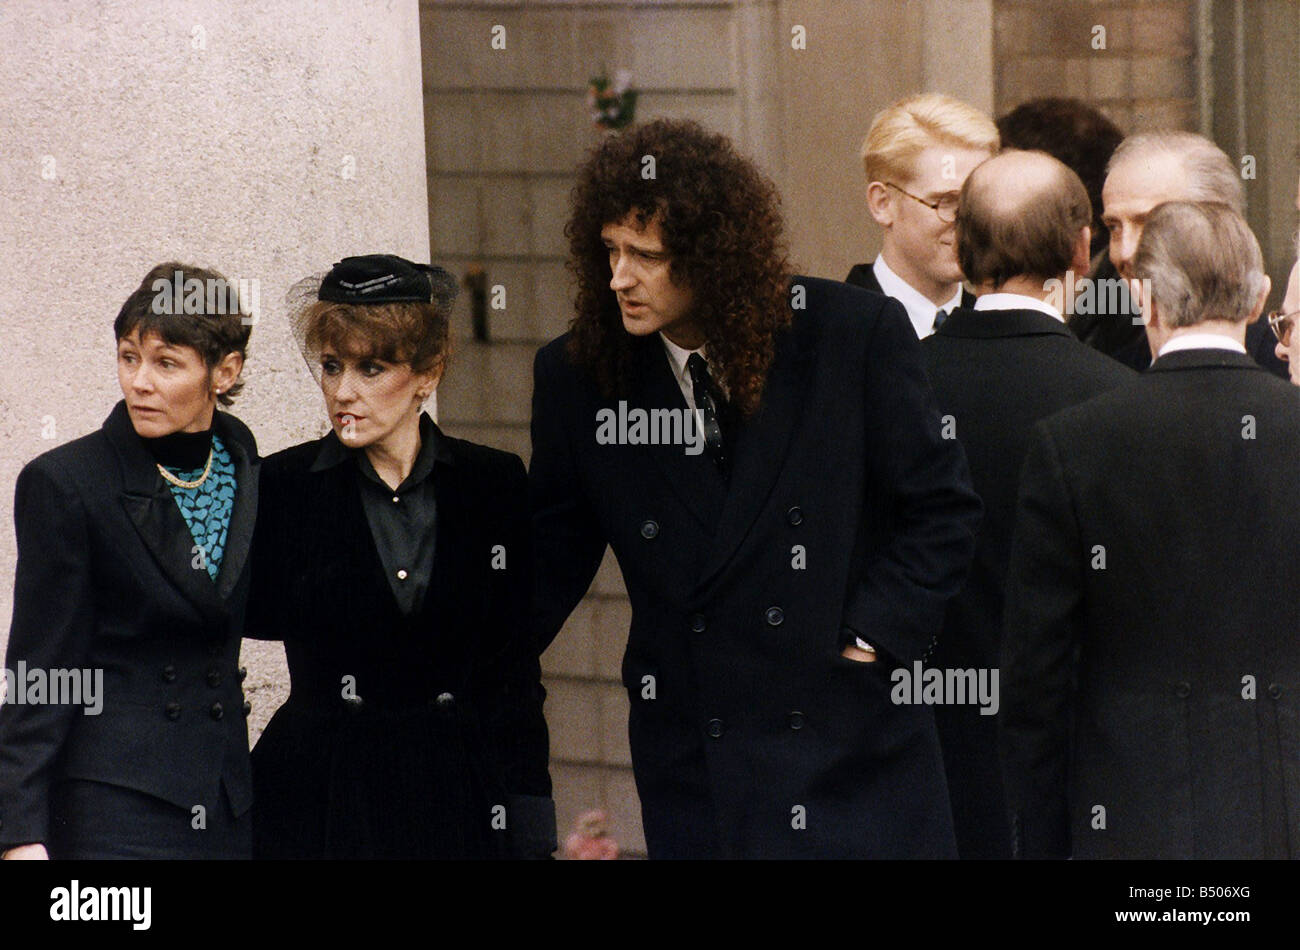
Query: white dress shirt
{"x": 1201, "y": 341}
{"x": 1016, "y": 302}
{"x": 920, "y": 309}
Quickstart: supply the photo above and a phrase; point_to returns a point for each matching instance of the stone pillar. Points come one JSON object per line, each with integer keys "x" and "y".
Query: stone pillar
{"x": 263, "y": 140}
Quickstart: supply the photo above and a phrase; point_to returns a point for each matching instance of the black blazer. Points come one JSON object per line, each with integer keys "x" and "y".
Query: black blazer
{"x": 861, "y": 275}
{"x": 448, "y": 701}
{"x": 1156, "y": 536}
{"x": 846, "y": 511}
{"x": 995, "y": 373}
{"x": 106, "y": 581}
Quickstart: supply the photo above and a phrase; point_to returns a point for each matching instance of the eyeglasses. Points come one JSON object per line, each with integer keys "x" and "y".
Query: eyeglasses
{"x": 945, "y": 207}
{"x": 1282, "y": 325}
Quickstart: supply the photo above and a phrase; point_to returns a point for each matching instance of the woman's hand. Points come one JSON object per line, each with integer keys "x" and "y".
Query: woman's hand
{"x": 26, "y": 852}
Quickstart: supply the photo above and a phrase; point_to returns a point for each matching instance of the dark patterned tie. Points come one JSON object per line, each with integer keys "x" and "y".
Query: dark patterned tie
{"x": 706, "y": 403}
{"x": 939, "y": 317}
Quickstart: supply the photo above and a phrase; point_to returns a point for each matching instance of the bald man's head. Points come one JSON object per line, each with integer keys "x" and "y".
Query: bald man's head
{"x": 1021, "y": 215}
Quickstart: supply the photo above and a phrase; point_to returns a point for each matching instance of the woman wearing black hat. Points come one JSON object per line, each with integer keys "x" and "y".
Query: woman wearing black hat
{"x": 393, "y": 560}
{"x": 123, "y": 734}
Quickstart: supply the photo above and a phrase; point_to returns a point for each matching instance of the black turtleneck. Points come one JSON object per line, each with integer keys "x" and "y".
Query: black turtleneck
{"x": 184, "y": 451}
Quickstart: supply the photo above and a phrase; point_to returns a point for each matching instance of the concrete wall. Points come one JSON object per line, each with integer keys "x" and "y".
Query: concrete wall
{"x": 265, "y": 140}
{"x": 1136, "y": 60}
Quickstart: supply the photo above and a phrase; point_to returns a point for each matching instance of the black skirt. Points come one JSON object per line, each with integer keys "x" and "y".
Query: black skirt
{"x": 333, "y": 780}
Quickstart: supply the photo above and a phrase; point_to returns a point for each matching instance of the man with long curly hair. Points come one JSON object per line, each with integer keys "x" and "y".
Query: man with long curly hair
{"x": 764, "y": 456}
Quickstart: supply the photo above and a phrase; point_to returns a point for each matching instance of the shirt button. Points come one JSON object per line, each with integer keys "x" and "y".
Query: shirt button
{"x": 697, "y": 623}
{"x": 794, "y": 515}
{"x": 774, "y": 616}
{"x": 649, "y": 530}
{"x": 715, "y": 728}
{"x": 401, "y": 575}
{"x": 396, "y": 499}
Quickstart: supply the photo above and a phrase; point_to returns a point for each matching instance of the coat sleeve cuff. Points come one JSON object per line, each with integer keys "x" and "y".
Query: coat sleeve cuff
{"x": 532, "y": 826}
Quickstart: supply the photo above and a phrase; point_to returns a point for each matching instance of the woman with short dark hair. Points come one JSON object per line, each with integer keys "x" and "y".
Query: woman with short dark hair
{"x": 393, "y": 560}
{"x": 129, "y": 594}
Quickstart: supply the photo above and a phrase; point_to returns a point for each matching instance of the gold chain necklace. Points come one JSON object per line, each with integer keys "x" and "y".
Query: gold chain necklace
{"x": 207, "y": 470}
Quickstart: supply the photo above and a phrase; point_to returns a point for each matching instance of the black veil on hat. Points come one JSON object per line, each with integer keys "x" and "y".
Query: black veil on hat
{"x": 369, "y": 279}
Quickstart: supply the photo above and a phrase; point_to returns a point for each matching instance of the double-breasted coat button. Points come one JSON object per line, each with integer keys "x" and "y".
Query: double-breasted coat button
{"x": 173, "y": 711}
{"x": 794, "y": 515}
{"x": 353, "y": 704}
{"x": 169, "y": 673}
{"x": 796, "y": 720}
{"x": 774, "y": 616}
{"x": 446, "y": 701}
{"x": 1275, "y": 690}
{"x": 1183, "y": 690}
{"x": 214, "y": 678}
{"x": 697, "y": 623}
{"x": 243, "y": 673}
{"x": 248, "y": 707}
{"x": 216, "y": 712}
{"x": 649, "y": 530}
{"x": 715, "y": 728}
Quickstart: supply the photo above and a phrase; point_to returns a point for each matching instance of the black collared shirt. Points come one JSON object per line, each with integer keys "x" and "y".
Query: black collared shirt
{"x": 403, "y": 521}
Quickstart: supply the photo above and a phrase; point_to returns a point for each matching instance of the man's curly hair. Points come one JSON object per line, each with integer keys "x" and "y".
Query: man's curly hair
{"x": 721, "y": 226}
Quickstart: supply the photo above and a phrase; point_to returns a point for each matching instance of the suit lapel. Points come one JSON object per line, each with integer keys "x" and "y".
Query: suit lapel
{"x": 239, "y": 534}
{"x": 761, "y": 446}
{"x": 152, "y": 509}
{"x": 452, "y": 546}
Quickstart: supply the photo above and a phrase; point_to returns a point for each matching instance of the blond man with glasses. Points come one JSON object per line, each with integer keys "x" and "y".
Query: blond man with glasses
{"x": 916, "y": 157}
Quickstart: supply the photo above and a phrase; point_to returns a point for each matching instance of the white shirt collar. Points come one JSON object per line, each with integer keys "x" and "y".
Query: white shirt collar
{"x": 677, "y": 357}
{"x": 1002, "y": 301}
{"x": 1201, "y": 341}
{"x": 920, "y": 310}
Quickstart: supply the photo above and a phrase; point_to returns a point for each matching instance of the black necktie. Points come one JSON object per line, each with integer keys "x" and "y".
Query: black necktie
{"x": 707, "y": 406}
{"x": 939, "y": 317}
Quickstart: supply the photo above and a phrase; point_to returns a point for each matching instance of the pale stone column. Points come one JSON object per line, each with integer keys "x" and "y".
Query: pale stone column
{"x": 263, "y": 138}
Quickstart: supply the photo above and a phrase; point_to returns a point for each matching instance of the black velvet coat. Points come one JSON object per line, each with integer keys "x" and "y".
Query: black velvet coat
{"x": 403, "y": 737}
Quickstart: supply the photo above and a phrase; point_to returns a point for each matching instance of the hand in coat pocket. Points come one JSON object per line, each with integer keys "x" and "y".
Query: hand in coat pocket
{"x": 857, "y": 654}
